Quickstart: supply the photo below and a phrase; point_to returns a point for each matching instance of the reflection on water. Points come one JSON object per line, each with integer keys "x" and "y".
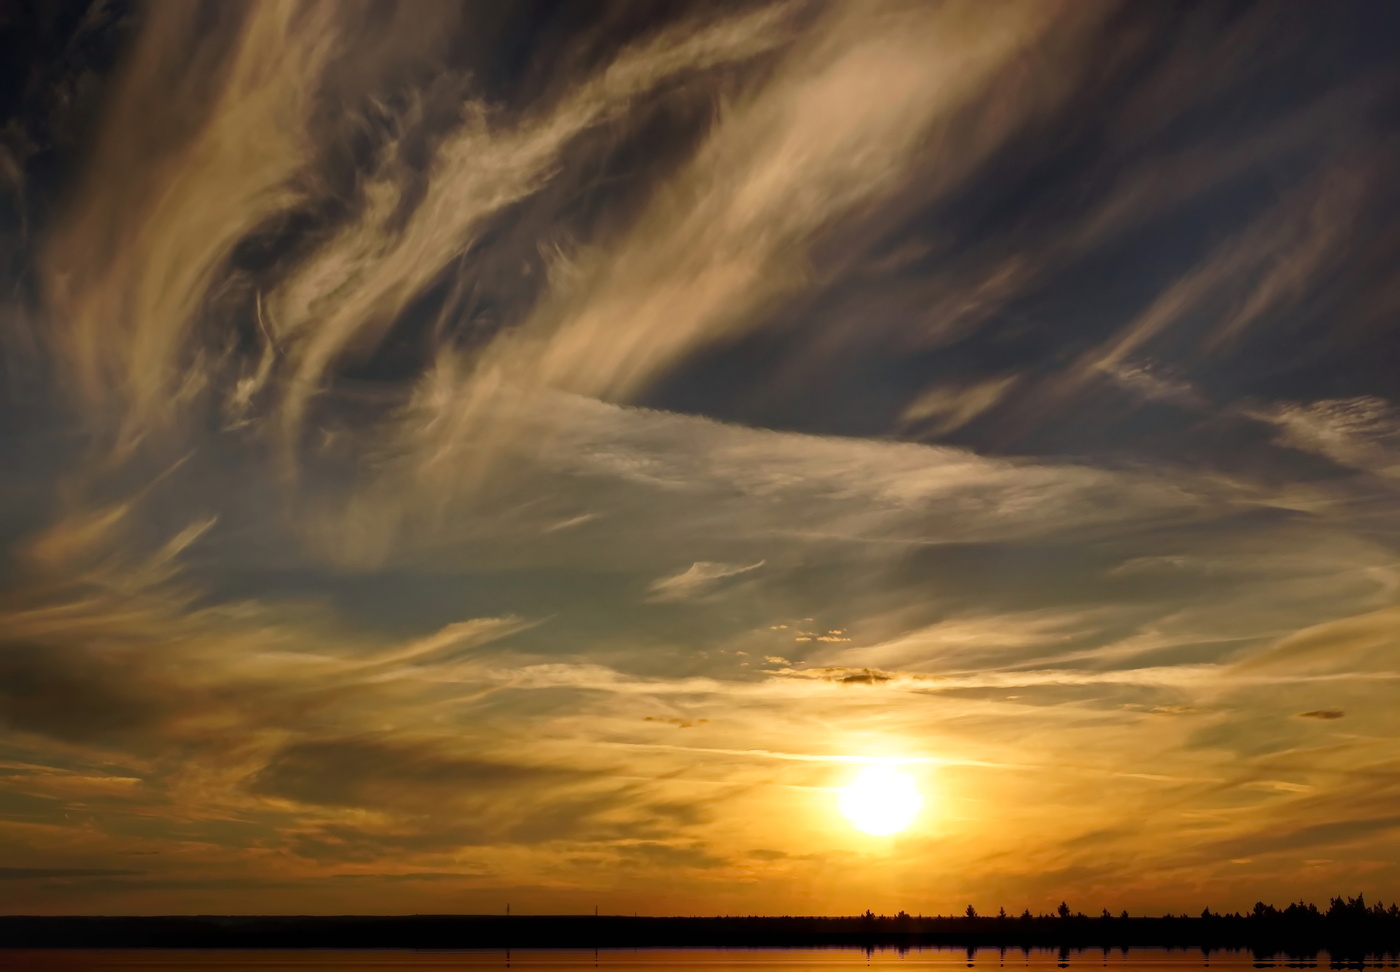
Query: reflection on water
{"x": 666, "y": 960}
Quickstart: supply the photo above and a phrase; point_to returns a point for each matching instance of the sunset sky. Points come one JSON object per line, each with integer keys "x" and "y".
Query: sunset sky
{"x": 466, "y": 453}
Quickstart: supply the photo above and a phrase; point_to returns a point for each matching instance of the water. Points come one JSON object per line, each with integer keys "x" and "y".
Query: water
{"x": 658, "y": 960}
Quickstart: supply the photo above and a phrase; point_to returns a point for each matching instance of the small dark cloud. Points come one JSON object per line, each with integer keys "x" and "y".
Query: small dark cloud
{"x": 845, "y": 676}
{"x": 1322, "y": 714}
{"x": 412, "y": 876}
{"x": 678, "y": 723}
{"x": 866, "y": 677}
{"x": 61, "y": 873}
{"x": 671, "y": 855}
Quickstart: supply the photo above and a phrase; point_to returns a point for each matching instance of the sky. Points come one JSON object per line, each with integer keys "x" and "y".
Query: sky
{"x": 459, "y": 454}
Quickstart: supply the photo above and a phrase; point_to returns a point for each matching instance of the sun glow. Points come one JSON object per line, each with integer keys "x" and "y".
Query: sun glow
{"x": 881, "y": 801}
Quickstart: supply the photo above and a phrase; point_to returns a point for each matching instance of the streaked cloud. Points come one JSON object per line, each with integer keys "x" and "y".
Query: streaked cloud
{"x": 696, "y": 579}
{"x": 1359, "y": 433}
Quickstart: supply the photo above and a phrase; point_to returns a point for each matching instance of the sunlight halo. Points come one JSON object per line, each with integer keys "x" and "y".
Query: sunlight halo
{"x": 881, "y": 801}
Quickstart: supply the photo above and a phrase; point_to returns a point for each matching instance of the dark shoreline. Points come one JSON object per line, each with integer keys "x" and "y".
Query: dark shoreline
{"x": 1264, "y": 937}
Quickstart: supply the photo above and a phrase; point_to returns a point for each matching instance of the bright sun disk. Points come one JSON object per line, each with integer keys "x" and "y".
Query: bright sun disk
{"x": 881, "y": 801}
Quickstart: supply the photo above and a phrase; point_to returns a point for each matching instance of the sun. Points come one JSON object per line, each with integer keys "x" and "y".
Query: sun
{"x": 881, "y": 801}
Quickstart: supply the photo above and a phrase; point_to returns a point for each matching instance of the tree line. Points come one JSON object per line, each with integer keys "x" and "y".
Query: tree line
{"x": 1348, "y": 927}
{"x": 1353, "y": 910}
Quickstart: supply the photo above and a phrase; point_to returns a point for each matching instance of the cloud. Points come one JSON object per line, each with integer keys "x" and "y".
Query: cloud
{"x": 1358, "y": 433}
{"x": 1238, "y": 284}
{"x": 946, "y": 409}
{"x": 844, "y": 676}
{"x": 409, "y": 875}
{"x": 235, "y": 150}
{"x": 700, "y": 577}
{"x": 975, "y": 641}
{"x": 156, "y": 218}
{"x": 343, "y": 299}
{"x": 373, "y": 772}
{"x": 739, "y": 482}
{"x": 80, "y": 696}
{"x": 655, "y": 853}
{"x": 61, "y": 873}
{"x": 1147, "y": 384}
{"x": 1355, "y": 644}
{"x": 837, "y": 128}
{"x": 1326, "y": 714}
{"x": 1338, "y": 834}
{"x": 678, "y": 723}
{"x": 457, "y": 636}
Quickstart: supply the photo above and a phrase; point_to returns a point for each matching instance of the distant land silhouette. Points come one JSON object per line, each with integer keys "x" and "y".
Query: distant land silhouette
{"x": 1349, "y": 928}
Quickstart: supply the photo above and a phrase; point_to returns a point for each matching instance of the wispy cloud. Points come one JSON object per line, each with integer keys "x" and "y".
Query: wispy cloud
{"x": 696, "y": 579}
{"x": 348, "y": 294}
{"x": 159, "y": 214}
{"x": 1359, "y": 433}
{"x": 835, "y": 130}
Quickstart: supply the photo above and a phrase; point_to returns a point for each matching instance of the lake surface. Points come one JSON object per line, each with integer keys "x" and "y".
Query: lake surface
{"x": 653, "y": 960}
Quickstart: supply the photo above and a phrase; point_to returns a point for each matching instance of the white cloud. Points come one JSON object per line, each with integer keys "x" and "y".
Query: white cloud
{"x": 871, "y": 91}
{"x": 699, "y": 578}
{"x": 1360, "y": 433}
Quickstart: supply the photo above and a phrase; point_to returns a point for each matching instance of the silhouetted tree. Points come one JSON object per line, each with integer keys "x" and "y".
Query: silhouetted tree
{"x": 1026, "y": 915}
{"x": 971, "y": 912}
{"x": 1351, "y": 907}
{"x": 1001, "y": 913}
{"x": 1105, "y": 914}
{"x": 1063, "y": 910}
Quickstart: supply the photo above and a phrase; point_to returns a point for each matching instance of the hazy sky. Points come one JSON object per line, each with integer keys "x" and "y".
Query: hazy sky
{"x": 459, "y": 453}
